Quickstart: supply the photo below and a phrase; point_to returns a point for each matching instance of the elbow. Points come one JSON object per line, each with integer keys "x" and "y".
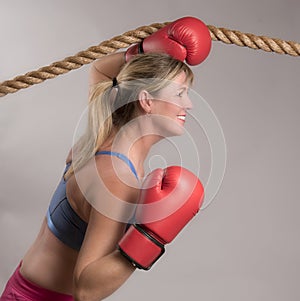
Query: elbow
{"x": 81, "y": 294}
{"x": 81, "y": 297}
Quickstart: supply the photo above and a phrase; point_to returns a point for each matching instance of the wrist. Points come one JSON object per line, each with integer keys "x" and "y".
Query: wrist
{"x": 140, "y": 248}
{"x": 133, "y": 50}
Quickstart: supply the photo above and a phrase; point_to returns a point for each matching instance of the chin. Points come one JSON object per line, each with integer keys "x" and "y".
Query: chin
{"x": 174, "y": 130}
{"x": 168, "y": 127}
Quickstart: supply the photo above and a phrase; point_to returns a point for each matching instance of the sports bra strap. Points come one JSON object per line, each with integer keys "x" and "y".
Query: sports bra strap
{"x": 122, "y": 157}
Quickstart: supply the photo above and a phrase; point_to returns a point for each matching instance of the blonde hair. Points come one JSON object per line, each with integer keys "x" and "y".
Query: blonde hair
{"x": 111, "y": 107}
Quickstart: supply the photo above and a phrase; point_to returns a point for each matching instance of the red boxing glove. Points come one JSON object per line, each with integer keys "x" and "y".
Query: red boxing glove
{"x": 169, "y": 199}
{"x": 187, "y": 39}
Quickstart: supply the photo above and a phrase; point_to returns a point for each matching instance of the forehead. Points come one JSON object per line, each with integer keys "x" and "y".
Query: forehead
{"x": 180, "y": 79}
{"x": 179, "y": 82}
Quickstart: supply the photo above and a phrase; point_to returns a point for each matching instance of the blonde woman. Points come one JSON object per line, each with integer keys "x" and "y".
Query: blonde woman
{"x": 81, "y": 252}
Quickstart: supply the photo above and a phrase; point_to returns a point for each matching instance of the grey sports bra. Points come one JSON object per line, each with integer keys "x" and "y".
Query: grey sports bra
{"x": 62, "y": 220}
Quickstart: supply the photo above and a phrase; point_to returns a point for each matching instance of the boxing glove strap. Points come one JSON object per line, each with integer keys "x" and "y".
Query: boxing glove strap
{"x": 134, "y": 50}
{"x": 140, "y": 47}
{"x": 155, "y": 241}
{"x": 140, "y": 248}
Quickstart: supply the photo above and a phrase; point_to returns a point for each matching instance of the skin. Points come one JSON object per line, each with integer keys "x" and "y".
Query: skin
{"x": 170, "y": 107}
{"x": 99, "y": 269}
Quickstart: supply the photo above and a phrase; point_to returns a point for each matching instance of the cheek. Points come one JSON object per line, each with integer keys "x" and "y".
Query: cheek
{"x": 166, "y": 108}
{"x": 172, "y": 109}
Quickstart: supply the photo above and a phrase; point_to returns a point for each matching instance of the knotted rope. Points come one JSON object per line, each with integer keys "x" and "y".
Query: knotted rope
{"x": 135, "y": 36}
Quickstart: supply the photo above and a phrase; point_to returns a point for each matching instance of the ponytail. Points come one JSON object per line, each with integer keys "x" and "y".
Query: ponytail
{"x": 98, "y": 129}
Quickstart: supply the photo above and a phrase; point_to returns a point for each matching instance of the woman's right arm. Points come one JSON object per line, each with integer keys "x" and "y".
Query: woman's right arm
{"x": 100, "y": 267}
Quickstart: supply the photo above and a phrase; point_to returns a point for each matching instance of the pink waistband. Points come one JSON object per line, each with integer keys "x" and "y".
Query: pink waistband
{"x": 33, "y": 291}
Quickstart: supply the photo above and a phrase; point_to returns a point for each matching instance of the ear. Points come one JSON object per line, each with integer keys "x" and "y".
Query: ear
{"x": 145, "y": 100}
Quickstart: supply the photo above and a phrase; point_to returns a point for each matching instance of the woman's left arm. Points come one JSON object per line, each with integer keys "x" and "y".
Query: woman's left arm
{"x": 106, "y": 67}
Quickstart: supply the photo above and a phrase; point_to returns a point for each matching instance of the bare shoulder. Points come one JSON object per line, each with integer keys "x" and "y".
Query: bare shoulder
{"x": 117, "y": 177}
{"x": 109, "y": 186}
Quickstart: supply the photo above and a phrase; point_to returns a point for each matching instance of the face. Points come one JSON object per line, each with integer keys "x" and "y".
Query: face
{"x": 169, "y": 108}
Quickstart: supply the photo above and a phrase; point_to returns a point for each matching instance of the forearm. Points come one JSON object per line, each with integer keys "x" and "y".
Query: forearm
{"x": 102, "y": 277}
{"x": 106, "y": 67}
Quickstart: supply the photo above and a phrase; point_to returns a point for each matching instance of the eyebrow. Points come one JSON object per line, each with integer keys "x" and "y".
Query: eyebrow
{"x": 183, "y": 88}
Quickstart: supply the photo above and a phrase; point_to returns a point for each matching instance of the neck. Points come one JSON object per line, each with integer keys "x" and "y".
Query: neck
{"x": 135, "y": 141}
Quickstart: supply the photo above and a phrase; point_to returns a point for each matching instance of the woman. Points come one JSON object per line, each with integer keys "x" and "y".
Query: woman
{"x": 132, "y": 106}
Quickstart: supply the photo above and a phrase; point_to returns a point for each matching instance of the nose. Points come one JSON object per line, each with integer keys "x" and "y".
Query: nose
{"x": 188, "y": 105}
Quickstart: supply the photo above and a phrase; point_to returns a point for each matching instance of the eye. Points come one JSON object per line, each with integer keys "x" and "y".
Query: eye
{"x": 180, "y": 93}
{"x": 183, "y": 91}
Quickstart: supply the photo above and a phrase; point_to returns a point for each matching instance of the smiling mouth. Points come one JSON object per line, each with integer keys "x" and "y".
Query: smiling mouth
{"x": 181, "y": 117}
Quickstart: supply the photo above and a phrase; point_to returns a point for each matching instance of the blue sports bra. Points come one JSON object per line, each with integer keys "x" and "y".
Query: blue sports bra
{"x": 62, "y": 220}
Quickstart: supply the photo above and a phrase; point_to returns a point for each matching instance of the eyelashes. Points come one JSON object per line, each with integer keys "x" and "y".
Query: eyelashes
{"x": 182, "y": 92}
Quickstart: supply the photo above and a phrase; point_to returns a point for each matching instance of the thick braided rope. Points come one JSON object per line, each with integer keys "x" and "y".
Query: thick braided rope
{"x": 134, "y": 36}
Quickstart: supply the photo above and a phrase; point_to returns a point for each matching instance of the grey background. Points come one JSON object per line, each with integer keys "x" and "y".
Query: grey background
{"x": 245, "y": 245}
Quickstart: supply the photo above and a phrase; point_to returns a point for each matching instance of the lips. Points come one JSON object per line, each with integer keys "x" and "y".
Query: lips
{"x": 181, "y": 117}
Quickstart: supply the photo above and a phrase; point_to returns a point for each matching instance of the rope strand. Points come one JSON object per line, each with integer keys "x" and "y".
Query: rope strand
{"x": 255, "y": 42}
{"x": 224, "y": 35}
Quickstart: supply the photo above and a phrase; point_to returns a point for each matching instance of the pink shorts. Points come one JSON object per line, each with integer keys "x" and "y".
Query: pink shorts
{"x": 20, "y": 289}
